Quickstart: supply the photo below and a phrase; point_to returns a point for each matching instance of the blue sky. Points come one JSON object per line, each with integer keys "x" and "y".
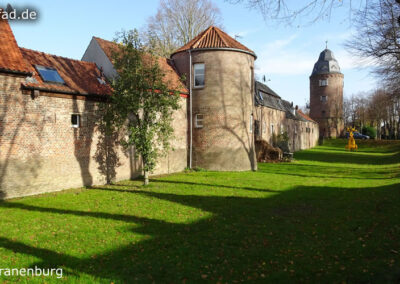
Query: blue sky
{"x": 286, "y": 54}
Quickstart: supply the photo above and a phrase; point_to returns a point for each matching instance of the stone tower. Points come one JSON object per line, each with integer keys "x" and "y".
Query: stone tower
{"x": 326, "y": 95}
{"x": 219, "y": 74}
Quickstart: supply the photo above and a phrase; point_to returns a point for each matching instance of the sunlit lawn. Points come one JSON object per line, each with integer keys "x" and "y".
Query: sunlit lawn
{"x": 330, "y": 216}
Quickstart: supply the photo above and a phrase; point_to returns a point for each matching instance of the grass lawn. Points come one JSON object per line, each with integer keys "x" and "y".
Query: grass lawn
{"x": 330, "y": 216}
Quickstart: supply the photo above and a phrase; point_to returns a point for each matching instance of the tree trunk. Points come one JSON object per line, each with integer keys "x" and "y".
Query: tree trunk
{"x": 146, "y": 177}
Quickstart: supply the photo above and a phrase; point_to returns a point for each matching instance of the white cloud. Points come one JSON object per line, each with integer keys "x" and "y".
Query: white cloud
{"x": 279, "y": 57}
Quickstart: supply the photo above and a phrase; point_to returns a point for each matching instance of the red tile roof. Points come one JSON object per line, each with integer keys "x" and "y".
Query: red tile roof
{"x": 305, "y": 116}
{"x": 80, "y": 77}
{"x": 171, "y": 75}
{"x": 213, "y": 37}
{"x": 10, "y": 56}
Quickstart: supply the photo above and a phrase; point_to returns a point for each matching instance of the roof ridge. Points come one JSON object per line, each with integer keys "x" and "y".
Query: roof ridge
{"x": 53, "y": 55}
{"x": 220, "y": 33}
{"x": 202, "y": 36}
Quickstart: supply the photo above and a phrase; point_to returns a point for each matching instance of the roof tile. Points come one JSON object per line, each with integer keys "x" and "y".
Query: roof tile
{"x": 213, "y": 37}
{"x": 305, "y": 116}
{"x": 10, "y": 56}
{"x": 171, "y": 75}
{"x": 80, "y": 77}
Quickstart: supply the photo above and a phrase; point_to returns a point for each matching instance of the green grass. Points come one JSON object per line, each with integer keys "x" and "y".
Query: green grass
{"x": 330, "y": 216}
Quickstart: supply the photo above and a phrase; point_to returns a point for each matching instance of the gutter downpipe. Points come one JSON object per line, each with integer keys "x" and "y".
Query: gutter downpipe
{"x": 190, "y": 110}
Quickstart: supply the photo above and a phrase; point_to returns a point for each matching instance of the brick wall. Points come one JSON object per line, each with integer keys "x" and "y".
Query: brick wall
{"x": 225, "y": 141}
{"x": 302, "y": 135}
{"x": 41, "y": 152}
{"x": 327, "y": 113}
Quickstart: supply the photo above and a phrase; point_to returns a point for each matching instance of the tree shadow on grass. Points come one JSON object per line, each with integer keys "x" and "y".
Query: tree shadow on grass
{"x": 307, "y": 234}
{"x": 335, "y": 172}
{"x": 348, "y": 158}
{"x": 200, "y": 184}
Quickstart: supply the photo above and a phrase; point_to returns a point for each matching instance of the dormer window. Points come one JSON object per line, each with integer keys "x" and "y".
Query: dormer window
{"x": 323, "y": 83}
{"x": 260, "y": 96}
{"x": 199, "y": 74}
{"x": 49, "y": 75}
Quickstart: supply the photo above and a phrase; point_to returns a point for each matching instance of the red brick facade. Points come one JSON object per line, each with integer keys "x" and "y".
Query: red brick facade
{"x": 41, "y": 152}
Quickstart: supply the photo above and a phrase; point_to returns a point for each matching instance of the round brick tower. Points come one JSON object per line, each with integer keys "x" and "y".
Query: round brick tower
{"x": 326, "y": 95}
{"x": 219, "y": 73}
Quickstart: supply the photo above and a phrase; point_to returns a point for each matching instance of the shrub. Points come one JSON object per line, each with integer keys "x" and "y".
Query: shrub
{"x": 370, "y": 131}
{"x": 281, "y": 141}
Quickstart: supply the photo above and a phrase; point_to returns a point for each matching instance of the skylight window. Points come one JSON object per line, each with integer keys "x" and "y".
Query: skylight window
{"x": 49, "y": 74}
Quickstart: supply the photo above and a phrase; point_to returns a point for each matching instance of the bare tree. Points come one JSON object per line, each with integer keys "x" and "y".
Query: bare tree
{"x": 312, "y": 10}
{"x": 379, "y": 101}
{"x": 179, "y": 21}
{"x": 378, "y": 39}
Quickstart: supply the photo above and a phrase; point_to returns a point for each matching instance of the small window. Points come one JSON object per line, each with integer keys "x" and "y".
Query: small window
{"x": 199, "y": 74}
{"x": 75, "y": 120}
{"x": 49, "y": 75}
{"x": 199, "y": 120}
{"x": 257, "y": 127}
{"x": 323, "y": 113}
{"x": 251, "y": 123}
{"x": 323, "y": 82}
{"x": 323, "y": 98}
{"x": 272, "y": 129}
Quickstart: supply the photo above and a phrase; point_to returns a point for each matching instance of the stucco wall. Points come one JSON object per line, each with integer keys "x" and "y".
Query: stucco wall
{"x": 41, "y": 152}
{"x": 225, "y": 142}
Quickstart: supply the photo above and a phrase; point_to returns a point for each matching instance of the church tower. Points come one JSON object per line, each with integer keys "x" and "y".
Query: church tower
{"x": 326, "y": 95}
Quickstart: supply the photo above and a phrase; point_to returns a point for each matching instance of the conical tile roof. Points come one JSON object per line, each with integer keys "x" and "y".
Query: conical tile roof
{"x": 213, "y": 37}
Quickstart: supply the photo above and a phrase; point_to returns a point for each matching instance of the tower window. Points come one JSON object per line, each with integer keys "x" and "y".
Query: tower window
{"x": 199, "y": 74}
{"x": 323, "y": 82}
{"x": 199, "y": 120}
{"x": 75, "y": 120}
{"x": 323, "y": 113}
{"x": 323, "y": 98}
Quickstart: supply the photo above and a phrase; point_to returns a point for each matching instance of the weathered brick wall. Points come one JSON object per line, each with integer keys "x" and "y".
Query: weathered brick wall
{"x": 331, "y": 124}
{"x": 299, "y": 137}
{"x": 225, "y": 142}
{"x": 41, "y": 152}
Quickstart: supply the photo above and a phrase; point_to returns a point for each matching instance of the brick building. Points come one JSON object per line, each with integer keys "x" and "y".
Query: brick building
{"x": 48, "y": 112}
{"x": 326, "y": 95}
{"x": 274, "y": 116}
{"x": 49, "y": 137}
